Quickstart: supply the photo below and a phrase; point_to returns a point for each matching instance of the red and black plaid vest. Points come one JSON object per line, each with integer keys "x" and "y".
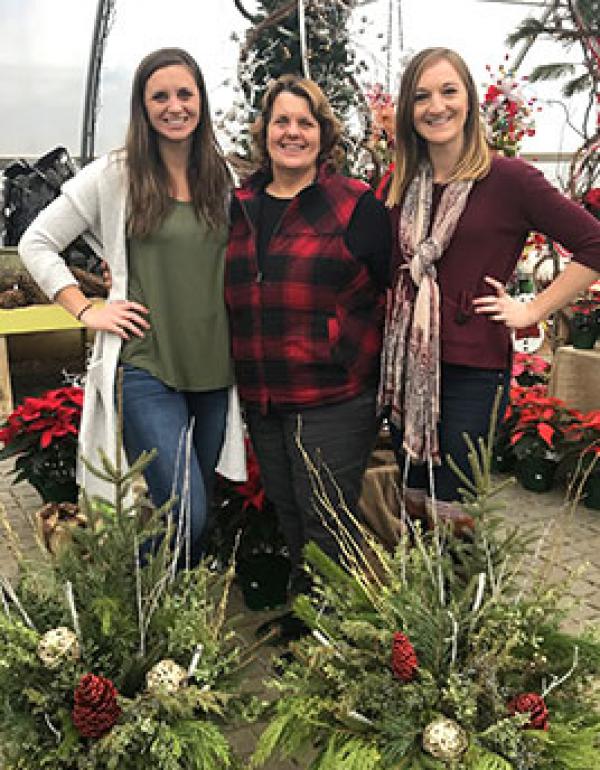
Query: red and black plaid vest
{"x": 307, "y": 330}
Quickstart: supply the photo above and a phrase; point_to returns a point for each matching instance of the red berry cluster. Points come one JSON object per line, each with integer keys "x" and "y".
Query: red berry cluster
{"x": 404, "y": 658}
{"x": 533, "y": 704}
{"x": 96, "y": 709}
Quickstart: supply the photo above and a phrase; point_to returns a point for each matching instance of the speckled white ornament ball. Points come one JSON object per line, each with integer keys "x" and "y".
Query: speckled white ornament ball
{"x": 166, "y": 676}
{"x": 445, "y": 739}
{"x": 57, "y": 645}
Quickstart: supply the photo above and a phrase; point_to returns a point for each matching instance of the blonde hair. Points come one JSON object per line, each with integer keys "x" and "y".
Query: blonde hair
{"x": 330, "y": 126}
{"x": 411, "y": 149}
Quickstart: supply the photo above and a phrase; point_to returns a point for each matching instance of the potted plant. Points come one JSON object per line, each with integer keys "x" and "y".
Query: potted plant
{"x": 503, "y": 454}
{"x": 245, "y": 522}
{"x": 581, "y": 457}
{"x": 530, "y": 369}
{"x": 111, "y": 662}
{"x": 582, "y": 323}
{"x": 41, "y": 434}
{"x": 437, "y": 656}
{"x": 536, "y": 436}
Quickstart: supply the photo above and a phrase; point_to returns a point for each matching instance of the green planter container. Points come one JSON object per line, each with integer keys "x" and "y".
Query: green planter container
{"x": 583, "y": 338}
{"x": 591, "y": 492}
{"x": 536, "y": 473}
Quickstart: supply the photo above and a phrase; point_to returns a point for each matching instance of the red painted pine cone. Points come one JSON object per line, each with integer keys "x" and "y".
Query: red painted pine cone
{"x": 404, "y": 658}
{"x": 96, "y": 709}
{"x": 533, "y": 704}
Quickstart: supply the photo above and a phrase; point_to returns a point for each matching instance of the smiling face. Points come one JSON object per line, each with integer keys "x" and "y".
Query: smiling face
{"x": 293, "y": 137}
{"x": 172, "y": 102}
{"x": 441, "y": 106}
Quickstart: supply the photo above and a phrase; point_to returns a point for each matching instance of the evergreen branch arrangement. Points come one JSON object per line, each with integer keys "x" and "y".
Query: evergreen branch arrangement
{"x": 108, "y": 661}
{"x": 446, "y": 654}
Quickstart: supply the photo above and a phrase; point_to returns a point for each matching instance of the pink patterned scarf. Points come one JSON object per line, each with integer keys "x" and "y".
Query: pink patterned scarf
{"x": 410, "y": 363}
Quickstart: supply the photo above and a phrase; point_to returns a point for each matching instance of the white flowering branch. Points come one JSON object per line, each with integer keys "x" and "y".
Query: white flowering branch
{"x": 10, "y": 591}
{"x": 557, "y": 681}
{"x": 72, "y": 608}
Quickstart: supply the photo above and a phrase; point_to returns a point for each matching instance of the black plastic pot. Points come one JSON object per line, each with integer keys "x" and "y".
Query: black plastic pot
{"x": 536, "y": 473}
{"x": 591, "y": 491}
{"x": 263, "y": 578}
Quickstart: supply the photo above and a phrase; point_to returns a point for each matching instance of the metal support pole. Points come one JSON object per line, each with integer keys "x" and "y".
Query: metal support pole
{"x": 104, "y": 13}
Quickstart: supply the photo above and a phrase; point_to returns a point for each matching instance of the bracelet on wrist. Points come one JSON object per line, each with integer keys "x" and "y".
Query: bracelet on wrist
{"x": 83, "y": 310}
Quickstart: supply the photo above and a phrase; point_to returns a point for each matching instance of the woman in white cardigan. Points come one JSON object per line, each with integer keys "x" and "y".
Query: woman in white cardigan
{"x": 157, "y": 213}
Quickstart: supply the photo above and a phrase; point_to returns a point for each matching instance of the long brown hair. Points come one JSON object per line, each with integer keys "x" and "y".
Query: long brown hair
{"x": 411, "y": 149}
{"x": 208, "y": 175}
{"x": 330, "y": 126}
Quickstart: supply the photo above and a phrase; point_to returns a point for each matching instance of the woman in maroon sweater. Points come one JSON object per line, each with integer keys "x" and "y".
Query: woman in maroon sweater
{"x": 460, "y": 217}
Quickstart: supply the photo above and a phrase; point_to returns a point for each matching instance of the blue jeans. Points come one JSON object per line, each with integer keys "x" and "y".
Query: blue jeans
{"x": 154, "y": 417}
{"x": 466, "y": 402}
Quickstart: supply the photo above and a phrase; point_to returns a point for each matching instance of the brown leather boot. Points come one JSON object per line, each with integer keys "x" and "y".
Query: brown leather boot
{"x": 450, "y": 513}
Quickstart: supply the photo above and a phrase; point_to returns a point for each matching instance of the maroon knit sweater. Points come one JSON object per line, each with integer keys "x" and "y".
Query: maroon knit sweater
{"x": 512, "y": 200}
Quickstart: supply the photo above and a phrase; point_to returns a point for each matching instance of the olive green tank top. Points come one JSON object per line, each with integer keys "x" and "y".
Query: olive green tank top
{"x": 177, "y": 273}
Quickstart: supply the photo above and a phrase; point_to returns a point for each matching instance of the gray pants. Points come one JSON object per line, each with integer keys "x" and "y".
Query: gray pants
{"x": 339, "y": 436}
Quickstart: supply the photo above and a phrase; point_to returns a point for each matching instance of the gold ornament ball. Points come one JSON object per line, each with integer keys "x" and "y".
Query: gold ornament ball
{"x": 57, "y": 645}
{"x": 166, "y": 676}
{"x": 445, "y": 739}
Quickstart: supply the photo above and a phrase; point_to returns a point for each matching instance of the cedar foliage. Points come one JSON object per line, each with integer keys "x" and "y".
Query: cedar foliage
{"x": 131, "y": 615}
{"x": 485, "y": 626}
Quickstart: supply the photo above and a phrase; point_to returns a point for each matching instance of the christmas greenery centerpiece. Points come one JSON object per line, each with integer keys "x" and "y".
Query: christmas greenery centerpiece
{"x": 446, "y": 654}
{"x": 110, "y": 662}
{"x": 41, "y": 433}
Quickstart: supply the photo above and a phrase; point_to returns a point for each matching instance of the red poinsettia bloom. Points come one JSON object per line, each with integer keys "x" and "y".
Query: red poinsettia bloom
{"x": 252, "y": 489}
{"x": 42, "y": 434}
{"x": 533, "y": 704}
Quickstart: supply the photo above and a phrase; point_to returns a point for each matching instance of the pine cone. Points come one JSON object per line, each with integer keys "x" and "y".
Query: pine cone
{"x": 533, "y": 704}
{"x": 96, "y": 709}
{"x": 404, "y": 658}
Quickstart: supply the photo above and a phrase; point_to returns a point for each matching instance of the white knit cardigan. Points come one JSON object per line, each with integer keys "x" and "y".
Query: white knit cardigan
{"x": 93, "y": 204}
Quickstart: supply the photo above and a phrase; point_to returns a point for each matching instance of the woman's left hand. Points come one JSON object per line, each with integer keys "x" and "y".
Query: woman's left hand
{"x": 502, "y": 307}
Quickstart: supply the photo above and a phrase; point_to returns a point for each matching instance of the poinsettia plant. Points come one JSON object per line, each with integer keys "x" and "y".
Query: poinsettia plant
{"x": 529, "y": 369}
{"x": 581, "y": 446}
{"x": 583, "y": 312}
{"x": 41, "y": 433}
{"x": 538, "y": 422}
{"x": 243, "y": 515}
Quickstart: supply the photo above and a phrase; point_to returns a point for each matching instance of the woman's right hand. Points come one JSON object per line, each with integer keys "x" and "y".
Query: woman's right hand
{"x": 121, "y": 317}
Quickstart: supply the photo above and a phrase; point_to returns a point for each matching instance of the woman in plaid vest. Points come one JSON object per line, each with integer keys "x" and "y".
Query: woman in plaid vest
{"x": 305, "y": 270}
